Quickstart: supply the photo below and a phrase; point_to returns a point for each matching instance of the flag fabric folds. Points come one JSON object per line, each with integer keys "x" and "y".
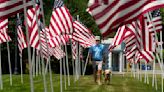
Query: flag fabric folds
{"x": 20, "y": 37}
{"x": 11, "y": 7}
{"x": 33, "y": 27}
{"x": 156, "y": 21}
{"x": 4, "y": 37}
{"x": 82, "y": 35}
{"x": 115, "y": 13}
{"x": 61, "y": 19}
{"x": 74, "y": 49}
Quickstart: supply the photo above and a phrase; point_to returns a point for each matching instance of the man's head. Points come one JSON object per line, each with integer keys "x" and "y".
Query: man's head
{"x": 97, "y": 38}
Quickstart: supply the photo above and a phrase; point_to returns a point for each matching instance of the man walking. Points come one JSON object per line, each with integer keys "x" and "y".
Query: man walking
{"x": 96, "y": 54}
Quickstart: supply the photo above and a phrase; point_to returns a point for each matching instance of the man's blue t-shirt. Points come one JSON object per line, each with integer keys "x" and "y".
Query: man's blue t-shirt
{"x": 96, "y": 52}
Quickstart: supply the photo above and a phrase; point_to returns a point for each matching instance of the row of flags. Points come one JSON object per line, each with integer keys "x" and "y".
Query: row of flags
{"x": 48, "y": 40}
{"x": 128, "y": 16}
{"x": 134, "y": 24}
{"x": 110, "y": 14}
{"x": 139, "y": 38}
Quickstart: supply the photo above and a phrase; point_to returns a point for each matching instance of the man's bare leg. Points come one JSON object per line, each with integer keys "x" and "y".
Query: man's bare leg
{"x": 99, "y": 77}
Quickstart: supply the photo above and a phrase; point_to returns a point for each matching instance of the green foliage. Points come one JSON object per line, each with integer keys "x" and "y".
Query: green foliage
{"x": 162, "y": 14}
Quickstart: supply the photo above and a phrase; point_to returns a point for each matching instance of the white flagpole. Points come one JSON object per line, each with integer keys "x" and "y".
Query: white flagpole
{"x": 79, "y": 52}
{"x": 21, "y": 69}
{"x": 61, "y": 82}
{"x": 135, "y": 65}
{"x": 43, "y": 74}
{"x": 37, "y": 62}
{"x": 146, "y": 74}
{"x": 50, "y": 72}
{"x": 33, "y": 62}
{"x": 145, "y": 71}
{"x": 79, "y": 61}
{"x": 73, "y": 64}
{"x": 67, "y": 64}
{"x": 42, "y": 11}
{"x": 76, "y": 64}
{"x": 65, "y": 84}
{"x": 1, "y": 81}
{"x": 133, "y": 69}
{"x": 161, "y": 41}
{"x": 9, "y": 62}
{"x": 29, "y": 51}
{"x": 42, "y": 59}
{"x": 47, "y": 65}
{"x": 156, "y": 82}
{"x": 153, "y": 79}
{"x": 140, "y": 71}
{"x": 147, "y": 77}
{"x": 161, "y": 66}
{"x": 82, "y": 66}
{"x": 86, "y": 62}
{"x": 20, "y": 55}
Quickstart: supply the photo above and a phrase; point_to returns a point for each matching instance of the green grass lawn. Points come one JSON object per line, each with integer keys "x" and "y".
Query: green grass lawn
{"x": 85, "y": 84}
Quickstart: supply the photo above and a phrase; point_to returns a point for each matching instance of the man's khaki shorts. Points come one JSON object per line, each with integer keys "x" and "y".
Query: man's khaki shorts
{"x": 97, "y": 64}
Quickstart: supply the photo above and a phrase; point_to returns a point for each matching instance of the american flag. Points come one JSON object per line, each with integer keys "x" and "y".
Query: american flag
{"x": 47, "y": 50}
{"x": 82, "y": 35}
{"x": 21, "y": 38}
{"x": 118, "y": 38}
{"x": 131, "y": 53}
{"x": 136, "y": 39}
{"x": 74, "y": 49}
{"x": 61, "y": 19}
{"x": 144, "y": 43}
{"x": 59, "y": 40}
{"x": 4, "y": 37}
{"x": 11, "y": 7}
{"x": 148, "y": 56}
{"x": 58, "y": 53}
{"x": 33, "y": 27}
{"x": 156, "y": 21}
{"x": 118, "y": 12}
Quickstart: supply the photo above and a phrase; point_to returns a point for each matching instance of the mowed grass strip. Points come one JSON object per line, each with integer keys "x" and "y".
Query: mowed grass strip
{"x": 85, "y": 84}
{"x": 118, "y": 84}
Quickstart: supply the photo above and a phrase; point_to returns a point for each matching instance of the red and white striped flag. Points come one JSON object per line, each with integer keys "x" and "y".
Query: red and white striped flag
{"x": 61, "y": 19}
{"x": 111, "y": 15}
{"x": 82, "y": 35}
{"x": 144, "y": 39}
{"x": 74, "y": 49}
{"x": 58, "y": 53}
{"x": 47, "y": 50}
{"x": 4, "y": 37}
{"x": 118, "y": 38}
{"x": 11, "y": 7}
{"x": 33, "y": 27}
{"x": 59, "y": 40}
{"x": 156, "y": 21}
{"x": 21, "y": 38}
